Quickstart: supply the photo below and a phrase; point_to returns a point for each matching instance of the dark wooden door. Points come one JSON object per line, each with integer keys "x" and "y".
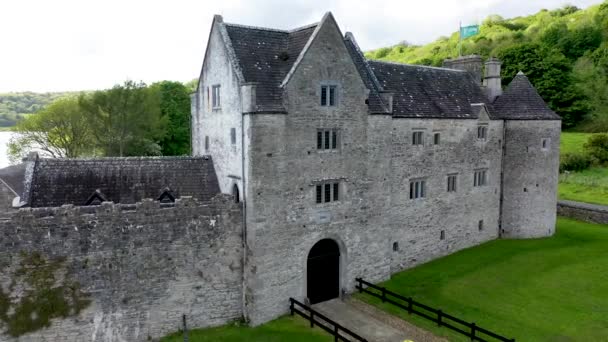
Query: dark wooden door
{"x": 323, "y": 268}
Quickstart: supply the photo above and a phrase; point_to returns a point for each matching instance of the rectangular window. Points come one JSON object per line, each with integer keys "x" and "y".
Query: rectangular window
{"x": 208, "y": 102}
{"x": 206, "y": 143}
{"x": 545, "y": 143}
{"x": 436, "y": 138}
{"x": 328, "y": 95}
{"x": 328, "y": 192}
{"x": 216, "y": 96}
{"x": 451, "y": 183}
{"x": 482, "y": 132}
{"x": 417, "y": 189}
{"x": 233, "y": 136}
{"x": 418, "y": 138}
{"x": 480, "y": 225}
{"x": 480, "y": 178}
{"x": 327, "y": 139}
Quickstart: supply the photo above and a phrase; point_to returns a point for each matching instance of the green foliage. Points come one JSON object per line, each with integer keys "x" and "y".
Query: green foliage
{"x": 589, "y": 186}
{"x": 15, "y": 106}
{"x": 60, "y": 130}
{"x": 575, "y": 162}
{"x": 45, "y": 295}
{"x": 545, "y": 46}
{"x": 175, "y": 108}
{"x": 597, "y": 147}
{"x": 531, "y": 290}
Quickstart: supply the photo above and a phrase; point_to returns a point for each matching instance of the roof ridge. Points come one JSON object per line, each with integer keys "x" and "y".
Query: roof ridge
{"x": 261, "y": 28}
{"x": 415, "y": 65}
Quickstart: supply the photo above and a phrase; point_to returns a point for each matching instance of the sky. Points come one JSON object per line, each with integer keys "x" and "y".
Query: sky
{"x": 71, "y": 45}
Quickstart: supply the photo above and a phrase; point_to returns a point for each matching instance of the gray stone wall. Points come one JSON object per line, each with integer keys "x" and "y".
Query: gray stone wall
{"x": 530, "y": 178}
{"x": 283, "y": 219}
{"x": 583, "y": 211}
{"x": 142, "y": 265}
{"x": 416, "y": 224}
{"x": 216, "y": 123}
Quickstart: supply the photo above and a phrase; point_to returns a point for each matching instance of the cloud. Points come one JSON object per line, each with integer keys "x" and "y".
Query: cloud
{"x": 77, "y": 45}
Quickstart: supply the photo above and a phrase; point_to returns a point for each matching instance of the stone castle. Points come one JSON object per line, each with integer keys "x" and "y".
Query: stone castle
{"x": 311, "y": 166}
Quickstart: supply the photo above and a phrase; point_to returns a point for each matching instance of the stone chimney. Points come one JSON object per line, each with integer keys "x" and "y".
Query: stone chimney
{"x": 471, "y": 63}
{"x": 491, "y": 79}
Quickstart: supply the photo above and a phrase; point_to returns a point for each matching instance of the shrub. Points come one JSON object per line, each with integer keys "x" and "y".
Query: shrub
{"x": 575, "y": 162}
{"x": 597, "y": 147}
{"x": 383, "y": 52}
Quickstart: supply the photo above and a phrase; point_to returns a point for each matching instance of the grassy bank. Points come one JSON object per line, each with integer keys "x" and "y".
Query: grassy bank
{"x": 292, "y": 329}
{"x": 553, "y": 289}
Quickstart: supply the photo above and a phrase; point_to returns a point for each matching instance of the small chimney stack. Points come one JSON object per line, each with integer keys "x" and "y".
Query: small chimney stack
{"x": 472, "y": 63}
{"x": 491, "y": 79}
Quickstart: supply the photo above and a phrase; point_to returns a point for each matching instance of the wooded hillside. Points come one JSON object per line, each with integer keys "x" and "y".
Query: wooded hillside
{"x": 14, "y": 105}
{"x": 564, "y": 52}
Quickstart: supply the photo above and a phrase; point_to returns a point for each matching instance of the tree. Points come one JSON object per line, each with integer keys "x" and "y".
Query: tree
{"x": 175, "y": 108}
{"x": 59, "y": 131}
{"x": 592, "y": 81}
{"x": 126, "y": 119}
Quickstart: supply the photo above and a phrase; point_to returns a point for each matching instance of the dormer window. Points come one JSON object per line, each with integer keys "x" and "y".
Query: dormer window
{"x": 328, "y": 95}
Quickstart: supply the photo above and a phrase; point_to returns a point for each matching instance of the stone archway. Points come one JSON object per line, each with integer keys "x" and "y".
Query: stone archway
{"x": 323, "y": 271}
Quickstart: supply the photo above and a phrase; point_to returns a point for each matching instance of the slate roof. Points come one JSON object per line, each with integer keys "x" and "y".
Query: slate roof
{"x": 429, "y": 92}
{"x": 265, "y": 57}
{"x": 521, "y": 101}
{"x": 13, "y": 176}
{"x": 56, "y": 182}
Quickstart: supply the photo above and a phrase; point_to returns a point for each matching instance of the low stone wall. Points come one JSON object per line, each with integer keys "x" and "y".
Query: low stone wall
{"x": 120, "y": 272}
{"x": 583, "y": 211}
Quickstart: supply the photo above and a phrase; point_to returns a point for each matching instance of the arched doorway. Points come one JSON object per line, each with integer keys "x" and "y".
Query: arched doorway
{"x": 323, "y": 271}
{"x": 235, "y": 193}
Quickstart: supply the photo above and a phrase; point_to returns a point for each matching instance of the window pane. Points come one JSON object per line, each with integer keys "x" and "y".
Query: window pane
{"x": 475, "y": 179}
{"x": 422, "y": 193}
{"x": 319, "y": 140}
{"x": 319, "y": 194}
{"x": 411, "y": 190}
{"x": 332, "y": 96}
{"x": 219, "y": 102}
{"x": 436, "y": 138}
{"x": 336, "y": 191}
{"x": 327, "y": 192}
{"x": 326, "y": 140}
{"x": 334, "y": 139}
{"x": 323, "y": 96}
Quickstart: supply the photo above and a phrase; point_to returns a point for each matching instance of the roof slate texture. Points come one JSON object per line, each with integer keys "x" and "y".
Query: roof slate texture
{"x": 266, "y": 56}
{"x": 14, "y": 176}
{"x": 121, "y": 180}
{"x": 428, "y": 92}
{"x": 521, "y": 101}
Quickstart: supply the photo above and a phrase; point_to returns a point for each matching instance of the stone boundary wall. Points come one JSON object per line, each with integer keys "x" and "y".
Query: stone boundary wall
{"x": 142, "y": 266}
{"x": 583, "y": 211}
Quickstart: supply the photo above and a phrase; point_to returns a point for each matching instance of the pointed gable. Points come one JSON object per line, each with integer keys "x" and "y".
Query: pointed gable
{"x": 521, "y": 101}
{"x": 265, "y": 56}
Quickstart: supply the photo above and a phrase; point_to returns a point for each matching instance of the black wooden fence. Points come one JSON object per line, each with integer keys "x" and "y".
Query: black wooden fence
{"x": 470, "y": 330}
{"x": 335, "y": 329}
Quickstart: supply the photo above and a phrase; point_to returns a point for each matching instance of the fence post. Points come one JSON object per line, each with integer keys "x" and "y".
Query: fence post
{"x": 439, "y": 317}
{"x": 185, "y": 328}
{"x": 383, "y": 294}
{"x": 360, "y": 286}
{"x": 312, "y": 320}
{"x": 336, "y": 333}
{"x": 291, "y": 306}
{"x": 409, "y": 305}
{"x": 473, "y": 328}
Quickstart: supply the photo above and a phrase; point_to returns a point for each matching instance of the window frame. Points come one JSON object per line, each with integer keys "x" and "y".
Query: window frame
{"x": 418, "y": 188}
{"x": 418, "y": 138}
{"x": 437, "y": 138}
{"x": 545, "y": 143}
{"x": 328, "y": 139}
{"x": 482, "y": 132}
{"x": 216, "y": 98}
{"x": 327, "y": 192}
{"x": 328, "y": 96}
{"x": 480, "y": 178}
{"x": 233, "y": 136}
{"x": 452, "y": 180}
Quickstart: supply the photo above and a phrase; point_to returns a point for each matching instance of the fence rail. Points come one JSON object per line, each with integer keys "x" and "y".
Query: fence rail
{"x": 326, "y": 324}
{"x": 442, "y": 319}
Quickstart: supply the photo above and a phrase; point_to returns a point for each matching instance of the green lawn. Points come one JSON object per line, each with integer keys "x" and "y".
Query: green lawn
{"x": 571, "y": 142}
{"x": 585, "y": 186}
{"x": 291, "y": 329}
{"x": 553, "y": 289}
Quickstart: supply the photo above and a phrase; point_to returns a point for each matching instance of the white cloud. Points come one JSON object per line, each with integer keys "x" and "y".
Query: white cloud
{"x": 91, "y": 44}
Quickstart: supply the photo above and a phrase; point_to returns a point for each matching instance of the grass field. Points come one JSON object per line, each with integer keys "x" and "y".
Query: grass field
{"x": 553, "y": 289}
{"x": 590, "y": 185}
{"x": 291, "y": 329}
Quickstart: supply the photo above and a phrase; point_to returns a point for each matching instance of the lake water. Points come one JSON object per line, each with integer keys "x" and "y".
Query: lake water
{"x": 4, "y": 138}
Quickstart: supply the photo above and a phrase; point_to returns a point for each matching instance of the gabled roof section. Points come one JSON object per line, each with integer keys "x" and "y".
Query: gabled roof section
{"x": 56, "y": 182}
{"x": 265, "y": 57}
{"x": 376, "y": 104}
{"x": 13, "y": 177}
{"x": 429, "y": 92}
{"x": 521, "y": 101}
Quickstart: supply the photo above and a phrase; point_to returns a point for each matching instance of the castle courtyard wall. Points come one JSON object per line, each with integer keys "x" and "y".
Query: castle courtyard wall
{"x": 141, "y": 266}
